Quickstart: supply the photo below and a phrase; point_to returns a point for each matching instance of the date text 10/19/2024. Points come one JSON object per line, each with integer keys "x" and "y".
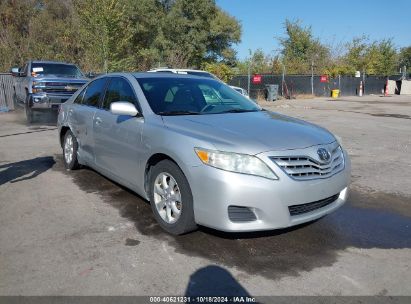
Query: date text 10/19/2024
{"x": 203, "y": 299}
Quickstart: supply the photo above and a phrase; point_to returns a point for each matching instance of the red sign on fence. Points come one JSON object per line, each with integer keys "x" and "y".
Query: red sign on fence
{"x": 324, "y": 78}
{"x": 256, "y": 79}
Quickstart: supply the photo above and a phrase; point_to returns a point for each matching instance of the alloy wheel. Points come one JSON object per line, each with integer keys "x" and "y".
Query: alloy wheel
{"x": 167, "y": 198}
{"x": 68, "y": 149}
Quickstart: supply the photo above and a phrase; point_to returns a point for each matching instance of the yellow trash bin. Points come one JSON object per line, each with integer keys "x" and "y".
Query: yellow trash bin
{"x": 335, "y": 93}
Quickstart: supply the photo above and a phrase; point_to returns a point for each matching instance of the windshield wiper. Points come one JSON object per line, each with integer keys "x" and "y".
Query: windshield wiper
{"x": 239, "y": 111}
{"x": 175, "y": 113}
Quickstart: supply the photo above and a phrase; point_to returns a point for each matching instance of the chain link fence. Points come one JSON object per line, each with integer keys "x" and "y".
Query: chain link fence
{"x": 6, "y": 92}
{"x": 294, "y": 85}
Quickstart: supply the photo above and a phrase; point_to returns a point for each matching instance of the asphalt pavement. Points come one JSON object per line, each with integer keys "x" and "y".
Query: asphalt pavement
{"x": 78, "y": 233}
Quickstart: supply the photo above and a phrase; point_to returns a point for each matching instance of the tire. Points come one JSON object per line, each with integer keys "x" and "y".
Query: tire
{"x": 15, "y": 101}
{"x": 70, "y": 148}
{"x": 171, "y": 204}
{"x": 29, "y": 112}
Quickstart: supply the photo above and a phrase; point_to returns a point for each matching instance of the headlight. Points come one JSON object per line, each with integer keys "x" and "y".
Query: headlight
{"x": 234, "y": 162}
{"x": 338, "y": 139}
{"x": 37, "y": 87}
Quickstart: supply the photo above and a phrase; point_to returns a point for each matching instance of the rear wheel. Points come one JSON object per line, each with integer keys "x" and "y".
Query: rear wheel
{"x": 70, "y": 147}
{"x": 171, "y": 198}
{"x": 15, "y": 101}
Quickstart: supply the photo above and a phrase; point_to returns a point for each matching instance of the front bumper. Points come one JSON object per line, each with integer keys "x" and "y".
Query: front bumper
{"x": 47, "y": 101}
{"x": 215, "y": 190}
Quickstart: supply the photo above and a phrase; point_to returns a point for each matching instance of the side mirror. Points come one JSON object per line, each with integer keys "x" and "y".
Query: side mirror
{"x": 15, "y": 71}
{"x": 123, "y": 108}
{"x": 91, "y": 75}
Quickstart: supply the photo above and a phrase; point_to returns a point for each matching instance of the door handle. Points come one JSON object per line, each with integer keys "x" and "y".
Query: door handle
{"x": 98, "y": 120}
{"x": 70, "y": 112}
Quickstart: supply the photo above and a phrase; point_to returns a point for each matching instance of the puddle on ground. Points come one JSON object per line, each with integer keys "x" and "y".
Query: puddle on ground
{"x": 361, "y": 223}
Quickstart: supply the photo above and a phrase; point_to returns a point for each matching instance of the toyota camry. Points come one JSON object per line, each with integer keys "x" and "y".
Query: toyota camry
{"x": 203, "y": 154}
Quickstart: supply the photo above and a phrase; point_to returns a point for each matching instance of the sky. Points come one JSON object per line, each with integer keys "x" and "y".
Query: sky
{"x": 334, "y": 22}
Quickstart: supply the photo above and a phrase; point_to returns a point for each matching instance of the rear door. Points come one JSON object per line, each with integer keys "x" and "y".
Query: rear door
{"x": 81, "y": 116}
{"x": 117, "y": 138}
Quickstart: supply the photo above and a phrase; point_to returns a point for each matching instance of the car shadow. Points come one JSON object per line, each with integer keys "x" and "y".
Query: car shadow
{"x": 214, "y": 281}
{"x": 25, "y": 170}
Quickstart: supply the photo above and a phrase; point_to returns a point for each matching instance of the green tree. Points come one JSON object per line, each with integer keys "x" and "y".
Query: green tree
{"x": 373, "y": 58}
{"x": 197, "y": 31}
{"x": 14, "y": 30}
{"x": 300, "y": 49}
{"x": 105, "y": 30}
{"x": 221, "y": 70}
{"x": 224, "y": 32}
{"x": 258, "y": 61}
{"x": 356, "y": 53}
{"x": 404, "y": 58}
{"x": 381, "y": 58}
{"x": 117, "y": 35}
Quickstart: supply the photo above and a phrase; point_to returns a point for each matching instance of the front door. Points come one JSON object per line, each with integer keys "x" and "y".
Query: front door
{"x": 117, "y": 138}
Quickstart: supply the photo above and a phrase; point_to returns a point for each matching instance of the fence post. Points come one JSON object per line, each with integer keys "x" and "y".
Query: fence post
{"x": 312, "y": 78}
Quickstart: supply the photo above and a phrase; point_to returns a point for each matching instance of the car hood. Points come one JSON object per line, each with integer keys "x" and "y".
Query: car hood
{"x": 251, "y": 132}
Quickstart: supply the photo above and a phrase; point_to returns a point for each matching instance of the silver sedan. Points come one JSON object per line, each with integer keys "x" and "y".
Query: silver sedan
{"x": 203, "y": 154}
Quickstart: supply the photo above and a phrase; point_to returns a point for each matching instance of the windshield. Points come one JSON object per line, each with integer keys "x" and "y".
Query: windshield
{"x": 193, "y": 96}
{"x": 58, "y": 69}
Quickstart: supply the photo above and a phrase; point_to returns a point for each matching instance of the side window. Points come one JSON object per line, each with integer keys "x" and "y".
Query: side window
{"x": 79, "y": 98}
{"x": 210, "y": 94}
{"x": 170, "y": 94}
{"x": 118, "y": 90}
{"x": 94, "y": 90}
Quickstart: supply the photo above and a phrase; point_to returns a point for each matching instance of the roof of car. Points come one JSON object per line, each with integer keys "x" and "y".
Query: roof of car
{"x": 177, "y": 70}
{"x": 153, "y": 75}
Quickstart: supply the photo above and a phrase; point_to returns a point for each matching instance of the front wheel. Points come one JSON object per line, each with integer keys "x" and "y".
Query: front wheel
{"x": 70, "y": 147}
{"x": 171, "y": 198}
{"x": 29, "y": 113}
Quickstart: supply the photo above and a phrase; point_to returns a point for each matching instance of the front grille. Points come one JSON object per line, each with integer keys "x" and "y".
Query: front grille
{"x": 61, "y": 88}
{"x": 305, "y": 208}
{"x": 240, "y": 214}
{"x": 305, "y": 168}
{"x": 56, "y": 90}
